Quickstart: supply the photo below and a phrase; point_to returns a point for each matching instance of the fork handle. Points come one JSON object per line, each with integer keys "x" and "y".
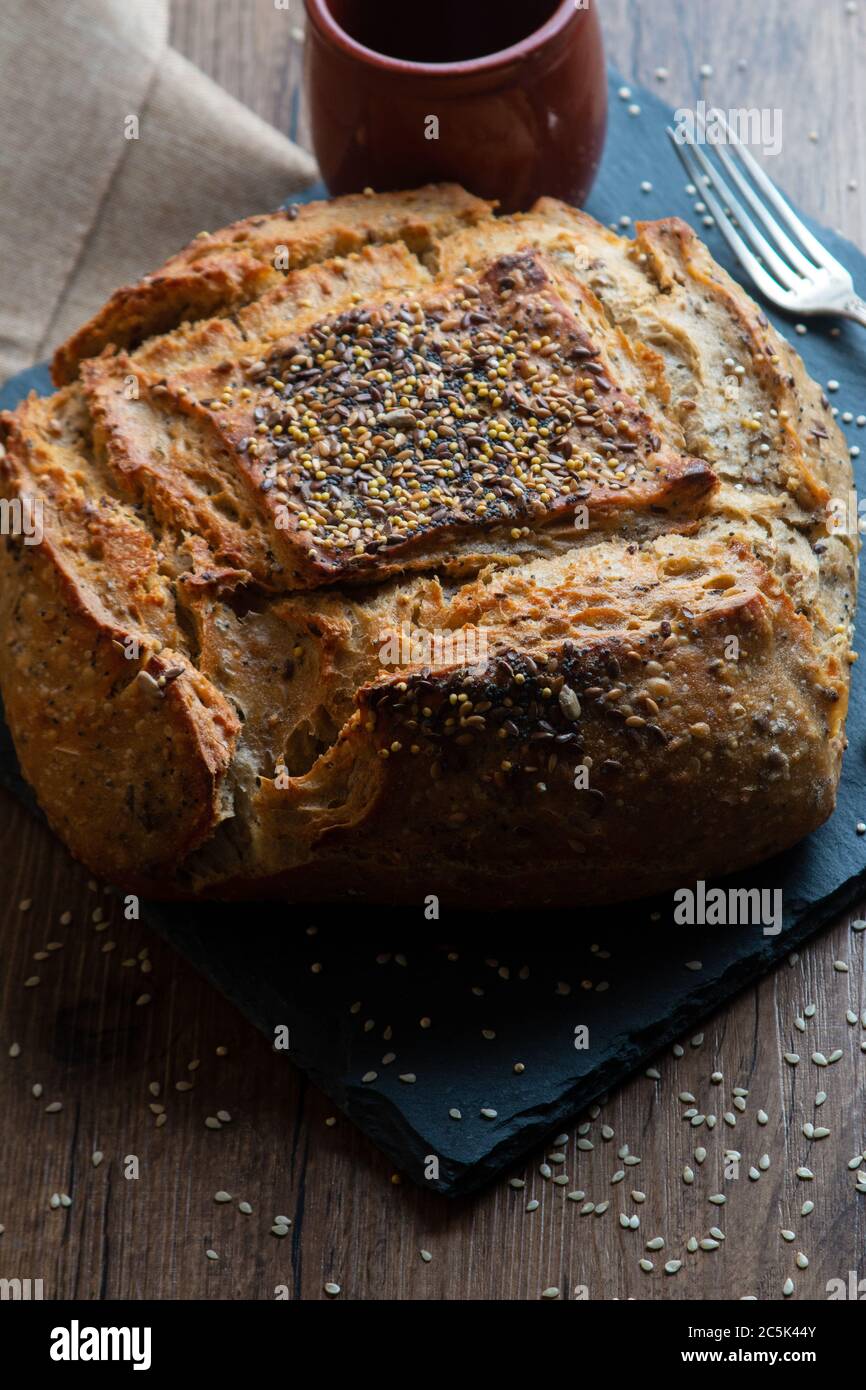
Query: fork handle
{"x": 854, "y": 308}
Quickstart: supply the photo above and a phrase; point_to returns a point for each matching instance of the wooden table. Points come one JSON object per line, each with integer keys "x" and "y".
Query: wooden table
{"x": 87, "y": 1039}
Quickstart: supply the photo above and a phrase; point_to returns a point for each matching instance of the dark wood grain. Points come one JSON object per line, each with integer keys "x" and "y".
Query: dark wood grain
{"x": 87, "y": 1042}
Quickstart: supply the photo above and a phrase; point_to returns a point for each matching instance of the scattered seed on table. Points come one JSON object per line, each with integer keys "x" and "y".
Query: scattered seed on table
{"x": 332, "y": 1289}
{"x": 691, "y": 1245}
{"x": 700, "y": 1155}
{"x": 788, "y": 1235}
{"x": 222, "y": 1196}
{"x": 805, "y": 1174}
{"x": 764, "y": 1162}
{"x": 672, "y": 1266}
{"x": 792, "y": 1058}
{"x": 576, "y": 1195}
{"x": 708, "y": 1244}
{"x": 212, "y": 1122}
{"x": 517, "y": 1183}
{"x": 718, "y": 1199}
{"x": 729, "y": 1118}
{"x": 697, "y": 1040}
{"x": 653, "y": 1073}
{"x": 618, "y": 1176}
{"x": 455, "y": 1114}
{"x": 279, "y": 1230}
{"x": 552, "y": 1292}
{"x": 606, "y": 1132}
{"x": 486, "y": 1112}
{"x": 533, "y": 1205}
{"x": 425, "y": 1256}
{"x": 54, "y": 1107}
{"x": 855, "y": 1161}
{"x": 545, "y": 1170}
{"x": 637, "y": 1196}
{"x": 807, "y": 1208}
{"x": 687, "y": 1097}
{"x": 788, "y": 1288}
{"x": 820, "y": 1097}
{"x": 835, "y": 1056}
{"x": 802, "y": 1260}
{"x": 688, "y": 1174}
{"x": 717, "y": 1078}
{"x": 754, "y": 1174}
{"x": 587, "y": 1208}
{"x": 841, "y": 966}
{"x": 810, "y": 1010}
{"x": 657, "y": 1243}
{"x": 245, "y": 1208}
{"x": 212, "y": 1254}
{"x": 646, "y": 1265}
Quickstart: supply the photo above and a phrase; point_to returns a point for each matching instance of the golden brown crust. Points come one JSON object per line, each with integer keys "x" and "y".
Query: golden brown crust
{"x": 447, "y": 554}
{"x": 219, "y": 271}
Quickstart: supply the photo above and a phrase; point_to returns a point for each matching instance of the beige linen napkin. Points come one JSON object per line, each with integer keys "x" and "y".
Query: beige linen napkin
{"x": 84, "y": 208}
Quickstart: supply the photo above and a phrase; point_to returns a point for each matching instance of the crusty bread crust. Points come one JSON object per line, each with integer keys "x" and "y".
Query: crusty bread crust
{"x": 588, "y": 462}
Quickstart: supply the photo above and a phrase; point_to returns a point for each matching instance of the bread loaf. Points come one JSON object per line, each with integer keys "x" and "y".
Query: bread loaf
{"x": 393, "y": 548}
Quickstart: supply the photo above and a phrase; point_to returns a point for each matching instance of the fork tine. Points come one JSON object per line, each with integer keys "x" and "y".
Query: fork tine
{"x": 820, "y": 255}
{"x": 788, "y": 277}
{"x": 762, "y": 279}
{"x": 764, "y": 216}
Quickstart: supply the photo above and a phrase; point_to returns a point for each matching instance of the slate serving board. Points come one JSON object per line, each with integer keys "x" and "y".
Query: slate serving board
{"x": 529, "y": 980}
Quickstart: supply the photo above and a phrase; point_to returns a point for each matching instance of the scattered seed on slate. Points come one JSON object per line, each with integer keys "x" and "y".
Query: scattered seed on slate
{"x": 455, "y": 1114}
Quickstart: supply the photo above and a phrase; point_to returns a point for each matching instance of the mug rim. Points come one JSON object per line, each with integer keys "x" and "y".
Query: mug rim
{"x": 321, "y": 17}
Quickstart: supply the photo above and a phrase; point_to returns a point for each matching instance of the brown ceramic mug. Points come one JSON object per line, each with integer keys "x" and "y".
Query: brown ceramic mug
{"x": 507, "y": 97}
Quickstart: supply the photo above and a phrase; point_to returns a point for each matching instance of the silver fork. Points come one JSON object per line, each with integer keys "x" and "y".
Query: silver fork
{"x": 804, "y": 278}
